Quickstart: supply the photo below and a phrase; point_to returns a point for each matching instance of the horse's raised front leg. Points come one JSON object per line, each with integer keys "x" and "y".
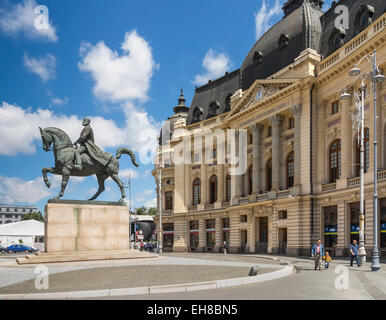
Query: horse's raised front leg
{"x": 45, "y": 178}
{"x": 120, "y": 184}
{"x": 65, "y": 177}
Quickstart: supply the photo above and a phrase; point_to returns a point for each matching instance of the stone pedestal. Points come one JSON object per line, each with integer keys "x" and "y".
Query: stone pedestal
{"x": 72, "y": 226}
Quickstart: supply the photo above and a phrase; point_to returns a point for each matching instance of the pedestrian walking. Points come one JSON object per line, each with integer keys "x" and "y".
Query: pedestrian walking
{"x": 317, "y": 252}
{"x": 354, "y": 253}
{"x": 327, "y": 260}
{"x": 225, "y": 247}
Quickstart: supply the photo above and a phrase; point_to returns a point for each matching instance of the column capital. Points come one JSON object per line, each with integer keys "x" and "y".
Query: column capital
{"x": 296, "y": 110}
{"x": 256, "y": 127}
{"x": 276, "y": 119}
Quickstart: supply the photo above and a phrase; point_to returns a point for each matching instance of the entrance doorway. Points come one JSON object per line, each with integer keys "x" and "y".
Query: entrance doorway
{"x": 262, "y": 244}
{"x": 282, "y": 241}
{"x": 244, "y": 239}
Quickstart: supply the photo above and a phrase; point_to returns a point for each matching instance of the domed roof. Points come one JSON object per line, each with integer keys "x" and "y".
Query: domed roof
{"x": 282, "y": 43}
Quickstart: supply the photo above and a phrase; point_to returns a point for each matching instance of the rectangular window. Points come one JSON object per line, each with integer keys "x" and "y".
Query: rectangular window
{"x": 169, "y": 200}
{"x": 168, "y": 234}
{"x": 282, "y": 214}
{"x": 330, "y": 226}
{"x": 194, "y": 235}
{"x": 335, "y": 107}
{"x": 269, "y": 134}
{"x": 291, "y": 123}
{"x": 243, "y": 218}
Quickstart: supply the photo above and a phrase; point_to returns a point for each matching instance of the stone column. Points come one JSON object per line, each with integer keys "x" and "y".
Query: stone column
{"x": 276, "y": 121}
{"x": 201, "y": 235}
{"x": 218, "y": 236}
{"x": 236, "y": 179}
{"x": 256, "y": 139}
{"x": 252, "y": 232}
{"x": 297, "y": 112}
{"x": 343, "y": 228}
{"x": 246, "y": 191}
{"x": 220, "y": 183}
{"x": 346, "y": 140}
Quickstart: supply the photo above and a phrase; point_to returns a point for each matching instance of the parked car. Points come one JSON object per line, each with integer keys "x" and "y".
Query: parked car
{"x": 20, "y": 248}
{"x": 2, "y": 249}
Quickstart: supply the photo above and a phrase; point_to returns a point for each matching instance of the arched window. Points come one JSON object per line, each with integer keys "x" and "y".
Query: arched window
{"x": 366, "y": 142}
{"x": 290, "y": 170}
{"x": 228, "y": 187}
{"x": 196, "y": 191}
{"x": 213, "y": 189}
{"x": 268, "y": 169}
{"x": 335, "y": 153}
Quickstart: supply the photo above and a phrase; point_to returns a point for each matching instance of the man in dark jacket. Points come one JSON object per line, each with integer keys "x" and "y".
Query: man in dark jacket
{"x": 87, "y": 144}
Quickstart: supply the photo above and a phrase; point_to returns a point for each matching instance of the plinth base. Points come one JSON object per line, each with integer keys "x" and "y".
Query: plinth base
{"x": 47, "y": 257}
{"x": 72, "y": 226}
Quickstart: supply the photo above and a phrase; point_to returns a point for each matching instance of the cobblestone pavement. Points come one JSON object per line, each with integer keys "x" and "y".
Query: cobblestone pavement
{"x": 11, "y": 273}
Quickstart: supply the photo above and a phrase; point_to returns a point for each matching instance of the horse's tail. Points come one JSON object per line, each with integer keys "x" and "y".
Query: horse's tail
{"x": 127, "y": 151}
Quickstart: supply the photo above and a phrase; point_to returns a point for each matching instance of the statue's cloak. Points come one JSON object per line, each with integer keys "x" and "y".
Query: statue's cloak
{"x": 87, "y": 141}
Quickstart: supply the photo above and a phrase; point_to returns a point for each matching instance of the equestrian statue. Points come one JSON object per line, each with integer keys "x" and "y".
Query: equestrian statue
{"x": 81, "y": 159}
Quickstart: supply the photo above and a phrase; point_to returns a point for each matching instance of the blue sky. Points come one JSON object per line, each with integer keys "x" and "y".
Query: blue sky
{"x": 122, "y": 63}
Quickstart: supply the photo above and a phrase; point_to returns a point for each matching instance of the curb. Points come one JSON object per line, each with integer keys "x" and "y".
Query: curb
{"x": 176, "y": 288}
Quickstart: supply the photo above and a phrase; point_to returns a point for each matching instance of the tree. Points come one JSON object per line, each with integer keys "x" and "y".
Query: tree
{"x": 141, "y": 211}
{"x": 152, "y": 211}
{"x": 33, "y": 216}
{"x": 146, "y": 211}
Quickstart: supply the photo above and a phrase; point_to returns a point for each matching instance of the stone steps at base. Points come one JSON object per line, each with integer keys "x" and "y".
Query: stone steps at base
{"x": 53, "y": 257}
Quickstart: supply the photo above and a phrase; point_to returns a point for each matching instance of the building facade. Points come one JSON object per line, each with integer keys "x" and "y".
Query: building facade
{"x": 301, "y": 182}
{"x": 14, "y": 213}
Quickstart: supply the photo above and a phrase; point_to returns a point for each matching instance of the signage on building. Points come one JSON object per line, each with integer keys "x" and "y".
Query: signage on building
{"x": 383, "y": 227}
{"x": 331, "y": 230}
{"x": 355, "y": 229}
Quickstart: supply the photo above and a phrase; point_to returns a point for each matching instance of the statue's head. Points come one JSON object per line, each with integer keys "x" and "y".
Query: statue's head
{"x": 86, "y": 121}
{"x": 46, "y": 139}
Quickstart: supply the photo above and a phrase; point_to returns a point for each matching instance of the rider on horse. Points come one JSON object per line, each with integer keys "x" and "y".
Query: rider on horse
{"x": 86, "y": 144}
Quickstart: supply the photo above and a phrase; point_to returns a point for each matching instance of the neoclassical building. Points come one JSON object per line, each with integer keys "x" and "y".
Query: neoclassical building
{"x": 302, "y": 177}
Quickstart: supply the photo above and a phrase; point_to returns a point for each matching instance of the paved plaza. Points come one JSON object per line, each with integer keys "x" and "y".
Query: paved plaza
{"x": 185, "y": 268}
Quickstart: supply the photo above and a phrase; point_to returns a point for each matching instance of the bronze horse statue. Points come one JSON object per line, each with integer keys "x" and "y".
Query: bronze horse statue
{"x": 64, "y": 152}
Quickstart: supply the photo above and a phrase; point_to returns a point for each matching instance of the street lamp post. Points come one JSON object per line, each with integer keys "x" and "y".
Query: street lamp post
{"x": 160, "y": 209}
{"x": 359, "y": 119}
{"x": 376, "y": 77}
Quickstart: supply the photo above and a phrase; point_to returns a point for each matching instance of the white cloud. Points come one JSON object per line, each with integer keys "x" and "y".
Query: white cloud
{"x": 151, "y": 203}
{"x": 16, "y": 190}
{"x": 128, "y": 173}
{"x": 19, "y": 129}
{"x": 119, "y": 77}
{"x": 125, "y": 78}
{"x": 215, "y": 65}
{"x": 20, "y": 18}
{"x": 145, "y": 198}
{"x": 59, "y": 101}
{"x": 44, "y": 67}
{"x": 263, "y": 17}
